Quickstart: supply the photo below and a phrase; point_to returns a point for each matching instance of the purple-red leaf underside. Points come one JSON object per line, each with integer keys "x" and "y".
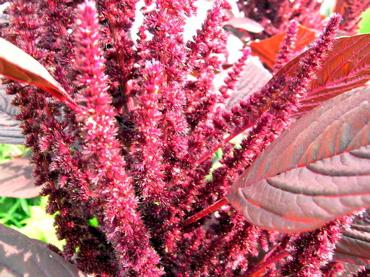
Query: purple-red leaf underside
{"x": 22, "y": 256}
{"x": 318, "y": 170}
{"x": 17, "y": 65}
{"x": 16, "y": 179}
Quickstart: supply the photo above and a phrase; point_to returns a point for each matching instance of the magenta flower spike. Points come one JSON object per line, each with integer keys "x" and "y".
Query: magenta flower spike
{"x": 121, "y": 221}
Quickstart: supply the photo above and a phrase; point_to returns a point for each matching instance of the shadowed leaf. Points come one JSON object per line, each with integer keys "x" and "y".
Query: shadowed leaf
{"x": 17, "y": 65}
{"x": 16, "y": 179}
{"x": 315, "y": 172}
{"x": 10, "y": 132}
{"x": 22, "y": 256}
{"x": 268, "y": 49}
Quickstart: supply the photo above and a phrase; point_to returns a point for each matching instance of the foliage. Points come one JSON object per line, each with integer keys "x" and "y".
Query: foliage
{"x": 123, "y": 133}
{"x": 364, "y": 26}
{"x": 28, "y": 216}
{"x": 40, "y": 225}
{"x": 9, "y": 151}
{"x": 14, "y": 211}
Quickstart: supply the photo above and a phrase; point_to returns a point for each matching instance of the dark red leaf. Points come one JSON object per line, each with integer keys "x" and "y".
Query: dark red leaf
{"x": 22, "y": 256}
{"x": 346, "y": 67}
{"x": 268, "y": 49}
{"x": 10, "y": 132}
{"x": 318, "y": 170}
{"x": 16, "y": 179}
{"x": 17, "y": 65}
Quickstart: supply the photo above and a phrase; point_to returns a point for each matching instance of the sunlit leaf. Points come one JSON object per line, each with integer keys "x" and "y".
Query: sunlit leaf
{"x": 268, "y": 49}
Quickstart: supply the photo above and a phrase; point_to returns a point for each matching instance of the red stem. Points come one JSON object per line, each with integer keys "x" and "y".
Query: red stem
{"x": 260, "y": 269}
{"x": 214, "y": 207}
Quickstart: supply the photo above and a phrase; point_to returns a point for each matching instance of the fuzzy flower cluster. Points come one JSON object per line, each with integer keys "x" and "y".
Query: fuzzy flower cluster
{"x": 136, "y": 159}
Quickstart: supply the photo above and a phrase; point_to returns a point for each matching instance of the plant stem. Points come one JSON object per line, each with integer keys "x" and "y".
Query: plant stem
{"x": 275, "y": 254}
{"x": 214, "y": 207}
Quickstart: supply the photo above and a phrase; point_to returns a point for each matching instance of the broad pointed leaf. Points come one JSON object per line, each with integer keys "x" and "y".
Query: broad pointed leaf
{"x": 347, "y": 66}
{"x": 10, "y": 132}
{"x": 16, "y": 179}
{"x": 268, "y": 49}
{"x": 22, "y": 256}
{"x": 315, "y": 172}
{"x": 17, "y": 65}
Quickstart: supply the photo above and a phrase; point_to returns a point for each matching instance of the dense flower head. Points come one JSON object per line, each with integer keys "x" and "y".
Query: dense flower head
{"x": 138, "y": 155}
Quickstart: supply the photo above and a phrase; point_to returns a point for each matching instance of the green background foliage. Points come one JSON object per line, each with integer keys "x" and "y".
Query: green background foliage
{"x": 365, "y": 22}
